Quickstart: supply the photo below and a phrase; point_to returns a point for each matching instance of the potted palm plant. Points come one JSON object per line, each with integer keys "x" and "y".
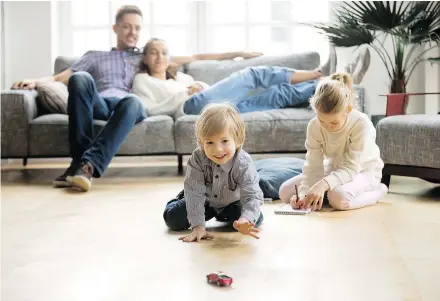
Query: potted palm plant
{"x": 411, "y": 26}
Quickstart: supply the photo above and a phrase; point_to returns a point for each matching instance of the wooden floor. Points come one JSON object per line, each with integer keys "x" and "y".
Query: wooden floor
{"x": 112, "y": 244}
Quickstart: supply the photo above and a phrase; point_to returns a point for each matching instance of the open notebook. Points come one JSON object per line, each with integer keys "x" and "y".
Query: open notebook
{"x": 287, "y": 209}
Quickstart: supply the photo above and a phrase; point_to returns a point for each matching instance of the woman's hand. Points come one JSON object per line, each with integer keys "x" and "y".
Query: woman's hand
{"x": 198, "y": 233}
{"x": 194, "y": 88}
{"x": 249, "y": 55}
{"x": 245, "y": 227}
{"x": 315, "y": 195}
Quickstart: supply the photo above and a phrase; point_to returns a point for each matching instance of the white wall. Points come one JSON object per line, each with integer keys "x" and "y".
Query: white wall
{"x": 27, "y": 40}
{"x": 2, "y": 52}
{"x": 432, "y": 84}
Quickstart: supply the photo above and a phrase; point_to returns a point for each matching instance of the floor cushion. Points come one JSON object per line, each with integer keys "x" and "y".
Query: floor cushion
{"x": 275, "y": 171}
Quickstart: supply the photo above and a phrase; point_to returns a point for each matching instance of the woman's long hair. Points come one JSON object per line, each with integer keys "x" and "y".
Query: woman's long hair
{"x": 144, "y": 68}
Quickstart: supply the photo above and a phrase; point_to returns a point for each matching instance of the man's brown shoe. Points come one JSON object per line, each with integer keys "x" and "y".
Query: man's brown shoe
{"x": 82, "y": 178}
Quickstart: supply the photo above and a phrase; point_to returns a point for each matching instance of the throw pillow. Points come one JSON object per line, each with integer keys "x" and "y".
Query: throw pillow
{"x": 275, "y": 171}
{"x": 53, "y": 96}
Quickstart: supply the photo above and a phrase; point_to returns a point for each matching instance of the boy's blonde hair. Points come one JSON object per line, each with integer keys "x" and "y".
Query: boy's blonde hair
{"x": 215, "y": 118}
{"x": 334, "y": 94}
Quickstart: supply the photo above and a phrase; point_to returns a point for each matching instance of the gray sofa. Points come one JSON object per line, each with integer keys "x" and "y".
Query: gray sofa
{"x": 410, "y": 146}
{"x": 29, "y": 132}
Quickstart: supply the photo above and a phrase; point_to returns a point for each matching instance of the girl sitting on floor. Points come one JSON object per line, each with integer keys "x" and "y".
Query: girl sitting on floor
{"x": 342, "y": 156}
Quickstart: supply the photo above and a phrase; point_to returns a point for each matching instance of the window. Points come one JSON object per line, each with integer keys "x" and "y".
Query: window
{"x": 271, "y": 27}
{"x": 88, "y": 25}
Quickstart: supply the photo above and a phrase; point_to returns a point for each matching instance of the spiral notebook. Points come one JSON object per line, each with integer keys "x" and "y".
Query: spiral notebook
{"x": 287, "y": 209}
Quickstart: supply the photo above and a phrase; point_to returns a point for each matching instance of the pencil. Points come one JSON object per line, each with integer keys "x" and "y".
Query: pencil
{"x": 296, "y": 190}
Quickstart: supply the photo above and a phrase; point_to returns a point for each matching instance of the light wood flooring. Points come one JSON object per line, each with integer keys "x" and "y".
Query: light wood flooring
{"x": 112, "y": 244}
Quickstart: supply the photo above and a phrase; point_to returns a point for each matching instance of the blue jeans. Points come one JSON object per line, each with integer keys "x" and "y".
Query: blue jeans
{"x": 84, "y": 105}
{"x": 175, "y": 214}
{"x": 279, "y": 93}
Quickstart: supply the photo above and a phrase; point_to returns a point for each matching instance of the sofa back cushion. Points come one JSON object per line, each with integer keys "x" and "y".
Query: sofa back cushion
{"x": 211, "y": 72}
{"x": 64, "y": 62}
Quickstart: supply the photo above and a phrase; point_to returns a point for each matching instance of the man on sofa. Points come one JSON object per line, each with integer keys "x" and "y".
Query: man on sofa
{"x": 99, "y": 86}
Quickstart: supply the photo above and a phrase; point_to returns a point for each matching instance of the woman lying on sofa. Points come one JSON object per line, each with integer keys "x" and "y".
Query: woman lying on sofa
{"x": 165, "y": 94}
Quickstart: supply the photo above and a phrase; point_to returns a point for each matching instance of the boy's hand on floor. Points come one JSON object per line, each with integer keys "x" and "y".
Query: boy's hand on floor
{"x": 245, "y": 227}
{"x": 198, "y": 233}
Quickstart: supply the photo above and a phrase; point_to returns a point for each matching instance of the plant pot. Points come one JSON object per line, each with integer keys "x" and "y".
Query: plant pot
{"x": 397, "y": 104}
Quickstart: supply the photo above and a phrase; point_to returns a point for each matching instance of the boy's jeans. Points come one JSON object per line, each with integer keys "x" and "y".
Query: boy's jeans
{"x": 175, "y": 214}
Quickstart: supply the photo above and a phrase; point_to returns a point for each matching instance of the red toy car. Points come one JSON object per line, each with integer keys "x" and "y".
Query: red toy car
{"x": 219, "y": 278}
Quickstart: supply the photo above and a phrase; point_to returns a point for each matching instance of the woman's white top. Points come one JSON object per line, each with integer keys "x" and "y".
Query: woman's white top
{"x": 164, "y": 97}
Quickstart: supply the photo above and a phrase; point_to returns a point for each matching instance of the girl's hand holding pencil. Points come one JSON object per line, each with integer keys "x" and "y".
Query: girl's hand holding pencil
{"x": 295, "y": 202}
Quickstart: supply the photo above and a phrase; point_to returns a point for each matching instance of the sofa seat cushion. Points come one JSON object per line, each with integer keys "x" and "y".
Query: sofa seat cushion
{"x": 49, "y": 136}
{"x": 281, "y": 130}
{"x": 412, "y": 140}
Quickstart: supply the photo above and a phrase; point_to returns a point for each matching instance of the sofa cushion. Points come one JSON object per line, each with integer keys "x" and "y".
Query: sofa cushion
{"x": 412, "y": 140}
{"x": 48, "y": 136}
{"x": 64, "y": 62}
{"x": 53, "y": 97}
{"x": 275, "y": 171}
{"x": 268, "y": 131}
{"x": 211, "y": 72}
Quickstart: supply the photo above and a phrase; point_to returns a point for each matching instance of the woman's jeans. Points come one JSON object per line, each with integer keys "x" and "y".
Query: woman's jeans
{"x": 236, "y": 89}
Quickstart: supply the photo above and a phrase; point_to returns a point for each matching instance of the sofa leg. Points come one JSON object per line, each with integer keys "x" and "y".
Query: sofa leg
{"x": 386, "y": 180}
{"x": 25, "y": 160}
{"x": 180, "y": 164}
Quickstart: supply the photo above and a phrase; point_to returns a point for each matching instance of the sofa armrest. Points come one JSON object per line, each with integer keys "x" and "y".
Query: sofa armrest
{"x": 18, "y": 109}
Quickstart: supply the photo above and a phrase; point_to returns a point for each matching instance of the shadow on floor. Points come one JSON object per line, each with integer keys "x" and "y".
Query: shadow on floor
{"x": 45, "y": 176}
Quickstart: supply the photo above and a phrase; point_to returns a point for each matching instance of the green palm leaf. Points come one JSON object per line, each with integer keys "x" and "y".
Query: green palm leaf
{"x": 346, "y": 35}
{"x": 425, "y": 27}
{"x": 434, "y": 60}
{"x": 377, "y": 15}
{"x": 407, "y": 24}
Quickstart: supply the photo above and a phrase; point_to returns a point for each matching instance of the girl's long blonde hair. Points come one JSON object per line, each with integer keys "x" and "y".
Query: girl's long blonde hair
{"x": 334, "y": 94}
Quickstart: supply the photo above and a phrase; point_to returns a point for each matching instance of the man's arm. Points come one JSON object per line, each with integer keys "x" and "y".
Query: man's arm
{"x": 181, "y": 60}
{"x": 29, "y": 84}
